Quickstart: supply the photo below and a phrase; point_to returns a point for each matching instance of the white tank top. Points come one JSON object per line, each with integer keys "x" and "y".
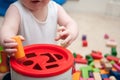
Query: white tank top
{"x": 34, "y": 31}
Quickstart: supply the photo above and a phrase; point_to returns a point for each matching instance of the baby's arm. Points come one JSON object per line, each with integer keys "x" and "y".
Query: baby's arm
{"x": 9, "y": 29}
{"x": 69, "y": 30}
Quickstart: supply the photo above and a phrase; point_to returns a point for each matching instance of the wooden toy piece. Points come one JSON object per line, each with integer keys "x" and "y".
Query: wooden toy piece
{"x": 105, "y": 76}
{"x": 4, "y": 65}
{"x": 112, "y": 58}
{"x": 76, "y": 75}
{"x": 104, "y": 71}
{"x": 115, "y": 74}
{"x": 115, "y": 65}
{"x": 97, "y": 64}
{"x": 84, "y": 37}
{"x": 96, "y": 55}
{"x": 81, "y": 60}
{"x": 106, "y": 79}
{"x": 111, "y": 43}
{"x": 84, "y": 43}
{"x": 79, "y": 56}
{"x": 97, "y": 76}
{"x": 96, "y": 70}
{"x": 113, "y": 51}
{"x": 20, "y": 51}
{"x": 85, "y": 71}
{"x": 106, "y": 36}
{"x": 106, "y": 64}
{"x": 112, "y": 78}
{"x": 89, "y": 58}
{"x": 91, "y": 74}
{"x": 75, "y": 55}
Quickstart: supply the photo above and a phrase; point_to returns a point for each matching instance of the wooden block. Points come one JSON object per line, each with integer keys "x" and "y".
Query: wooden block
{"x": 97, "y": 65}
{"x": 111, "y": 44}
{"x": 20, "y": 51}
{"x": 104, "y": 71}
{"x": 97, "y": 76}
{"x": 112, "y": 78}
{"x": 76, "y": 75}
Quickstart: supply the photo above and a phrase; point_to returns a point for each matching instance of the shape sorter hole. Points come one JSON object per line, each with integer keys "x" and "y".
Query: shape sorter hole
{"x": 58, "y": 56}
{"x": 37, "y": 67}
{"x": 52, "y": 66}
{"x": 28, "y": 62}
{"x": 51, "y": 58}
{"x": 31, "y": 55}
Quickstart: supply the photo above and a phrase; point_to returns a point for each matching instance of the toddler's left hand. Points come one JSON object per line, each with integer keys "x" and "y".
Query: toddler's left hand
{"x": 66, "y": 35}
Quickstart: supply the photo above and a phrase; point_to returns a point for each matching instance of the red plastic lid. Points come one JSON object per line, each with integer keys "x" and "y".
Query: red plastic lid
{"x": 43, "y": 60}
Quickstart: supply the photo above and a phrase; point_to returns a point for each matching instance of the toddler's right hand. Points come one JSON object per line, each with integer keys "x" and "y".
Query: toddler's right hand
{"x": 10, "y": 45}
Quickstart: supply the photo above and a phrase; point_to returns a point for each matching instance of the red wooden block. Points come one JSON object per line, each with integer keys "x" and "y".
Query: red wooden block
{"x": 82, "y": 61}
{"x": 79, "y": 56}
{"x": 106, "y": 79}
{"x": 113, "y": 58}
{"x": 96, "y": 55}
{"x": 84, "y": 43}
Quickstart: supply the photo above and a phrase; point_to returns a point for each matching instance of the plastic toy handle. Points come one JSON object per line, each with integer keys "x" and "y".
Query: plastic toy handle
{"x": 20, "y": 50}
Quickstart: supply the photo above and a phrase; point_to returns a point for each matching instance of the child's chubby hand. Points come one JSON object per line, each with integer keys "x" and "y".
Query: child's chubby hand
{"x": 10, "y": 45}
{"x": 66, "y": 35}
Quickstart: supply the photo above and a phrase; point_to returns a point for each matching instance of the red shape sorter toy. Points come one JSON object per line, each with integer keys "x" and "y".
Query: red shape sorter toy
{"x": 43, "y": 62}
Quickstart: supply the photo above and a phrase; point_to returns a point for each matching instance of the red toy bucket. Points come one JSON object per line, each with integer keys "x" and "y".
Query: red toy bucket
{"x": 43, "y": 62}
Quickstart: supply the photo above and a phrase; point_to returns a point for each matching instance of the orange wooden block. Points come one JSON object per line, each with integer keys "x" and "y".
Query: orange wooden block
{"x": 104, "y": 71}
{"x": 20, "y": 51}
{"x": 76, "y": 75}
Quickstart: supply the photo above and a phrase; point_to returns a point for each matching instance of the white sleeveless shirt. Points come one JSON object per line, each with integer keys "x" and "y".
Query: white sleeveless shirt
{"x": 34, "y": 31}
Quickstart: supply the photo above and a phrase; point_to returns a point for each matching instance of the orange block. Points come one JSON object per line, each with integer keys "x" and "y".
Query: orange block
{"x": 20, "y": 51}
{"x": 103, "y": 71}
{"x": 76, "y": 75}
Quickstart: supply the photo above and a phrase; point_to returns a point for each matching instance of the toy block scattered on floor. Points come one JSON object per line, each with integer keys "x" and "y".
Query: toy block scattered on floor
{"x": 104, "y": 76}
{"x": 97, "y": 64}
{"x": 106, "y": 64}
{"x": 112, "y": 78}
{"x": 97, "y": 76}
{"x": 85, "y": 71}
{"x": 84, "y": 43}
{"x": 76, "y": 75}
{"x": 115, "y": 65}
{"x": 111, "y": 43}
{"x": 112, "y": 58}
{"x": 104, "y": 71}
{"x": 96, "y": 54}
{"x": 84, "y": 37}
{"x": 106, "y": 36}
{"x": 113, "y": 51}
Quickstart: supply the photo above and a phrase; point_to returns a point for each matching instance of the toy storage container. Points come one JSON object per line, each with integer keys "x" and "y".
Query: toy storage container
{"x": 43, "y": 62}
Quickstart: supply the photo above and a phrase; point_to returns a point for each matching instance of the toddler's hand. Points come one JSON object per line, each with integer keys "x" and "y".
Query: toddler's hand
{"x": 66, "y": 35}
{"x": 10, "y": 45}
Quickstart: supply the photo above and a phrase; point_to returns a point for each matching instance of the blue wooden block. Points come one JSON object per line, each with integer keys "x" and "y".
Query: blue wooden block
{"x": 104, "y": 76}
{"x": 115, "y": 74}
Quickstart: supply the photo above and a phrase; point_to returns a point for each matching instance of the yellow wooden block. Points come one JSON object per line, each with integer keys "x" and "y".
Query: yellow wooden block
{"x": 76, "y": 75}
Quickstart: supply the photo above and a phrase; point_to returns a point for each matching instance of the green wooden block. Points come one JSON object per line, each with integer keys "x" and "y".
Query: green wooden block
{"x": 1, "y": 48}
{"x": 75, "y": 55}
{"x": 85, "y": 71}
{"x": 113, "y": 51}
